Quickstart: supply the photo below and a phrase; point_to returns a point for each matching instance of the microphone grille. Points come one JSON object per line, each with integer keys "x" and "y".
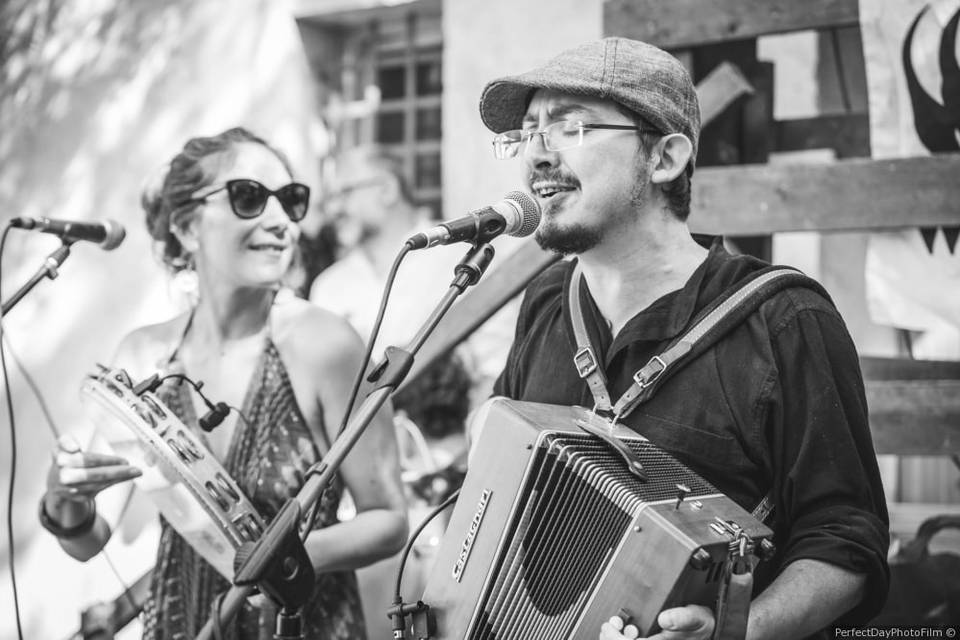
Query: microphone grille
{"x": 529, "y": 213}
{"x": 115, "y": 235}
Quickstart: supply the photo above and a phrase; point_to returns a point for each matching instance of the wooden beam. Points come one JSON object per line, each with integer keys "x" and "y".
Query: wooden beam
{"x": 855, "y": 194}
{"x": 915, "y": 417}
{"x": 672, "y": 24}
{"x": 875, "y": 368}
{"x": 495, "y": 289}
{"x": 847, "y": 134}
{"x": 719, "y": 89}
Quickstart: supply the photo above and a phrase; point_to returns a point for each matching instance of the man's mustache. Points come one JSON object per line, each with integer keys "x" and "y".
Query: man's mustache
{"x": 552, "y": 175}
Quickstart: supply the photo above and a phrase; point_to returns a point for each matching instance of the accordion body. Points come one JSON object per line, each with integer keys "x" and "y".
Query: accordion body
{"x": 552, "y": 534}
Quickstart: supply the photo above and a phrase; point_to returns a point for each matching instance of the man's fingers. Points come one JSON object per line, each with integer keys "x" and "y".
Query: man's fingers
{"x": 615, "y": 629}
{"x": 689, "y": 618}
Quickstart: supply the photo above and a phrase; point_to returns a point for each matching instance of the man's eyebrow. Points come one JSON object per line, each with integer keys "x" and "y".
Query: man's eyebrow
{"x": 558, "y": 111}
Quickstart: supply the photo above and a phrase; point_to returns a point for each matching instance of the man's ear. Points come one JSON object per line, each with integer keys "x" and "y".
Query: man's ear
{"x": 674, "y": 153}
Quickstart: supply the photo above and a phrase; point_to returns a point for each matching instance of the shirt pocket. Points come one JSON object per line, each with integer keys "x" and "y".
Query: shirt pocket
{"x": 700, "y": 447}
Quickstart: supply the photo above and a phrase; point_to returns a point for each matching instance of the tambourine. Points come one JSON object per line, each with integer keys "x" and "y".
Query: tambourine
{"x": 187, "y": 484}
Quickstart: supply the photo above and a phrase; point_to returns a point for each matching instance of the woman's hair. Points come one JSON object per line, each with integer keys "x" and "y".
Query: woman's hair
{"x": 168, "y": 201}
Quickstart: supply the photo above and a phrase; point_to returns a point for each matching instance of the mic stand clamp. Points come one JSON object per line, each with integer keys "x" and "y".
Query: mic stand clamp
{"x": 48, "y": 270}
{"x": 278, "y": 563}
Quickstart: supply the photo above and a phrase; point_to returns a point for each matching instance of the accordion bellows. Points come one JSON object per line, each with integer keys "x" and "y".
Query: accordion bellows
{"x": 552, "y": 535}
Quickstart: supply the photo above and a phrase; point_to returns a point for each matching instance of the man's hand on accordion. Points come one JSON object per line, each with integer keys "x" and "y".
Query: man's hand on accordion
{"x": 693, "y": 621}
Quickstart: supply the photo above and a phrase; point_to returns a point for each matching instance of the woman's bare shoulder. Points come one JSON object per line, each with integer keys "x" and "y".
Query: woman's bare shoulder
{"x": 309, "y": 332}
{"x": 142, "y": 350}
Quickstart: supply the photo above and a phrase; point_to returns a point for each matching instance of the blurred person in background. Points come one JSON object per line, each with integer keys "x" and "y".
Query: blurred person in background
{"x": 372, "y": 211}
{"x": 371, "y": 208}
{"x": 227, "y": 210}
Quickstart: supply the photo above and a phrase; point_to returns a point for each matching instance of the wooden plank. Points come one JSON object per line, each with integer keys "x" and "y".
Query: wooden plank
{"x": 682, "y": 23}
{"x": 847, "y": 134}
{"x": 854, "y": 194}
{"x": 875, "y": 368}
{"x": 757, "y": 136}
{"x": 719, "y": 89}
{"x": 496, "y": 288}
{"x": 915, "y": 417}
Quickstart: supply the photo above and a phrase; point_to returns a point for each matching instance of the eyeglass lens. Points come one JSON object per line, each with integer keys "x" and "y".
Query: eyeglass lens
{"x": 556, "y": 137}
{"x": 248, "y": 198}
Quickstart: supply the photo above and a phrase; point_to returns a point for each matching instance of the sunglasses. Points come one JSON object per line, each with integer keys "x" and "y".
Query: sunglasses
{"x": 248, "y": 198}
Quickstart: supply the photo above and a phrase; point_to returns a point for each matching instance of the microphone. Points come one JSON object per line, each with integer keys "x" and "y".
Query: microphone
{"x": 108, "y": 234}
{"x": 517, "y": 215}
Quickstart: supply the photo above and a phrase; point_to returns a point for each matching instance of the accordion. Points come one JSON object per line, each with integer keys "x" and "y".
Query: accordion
{"x": 552, "y": 534}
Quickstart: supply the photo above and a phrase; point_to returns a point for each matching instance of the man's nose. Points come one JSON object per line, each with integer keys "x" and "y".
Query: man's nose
{"x": 536, "y": 154}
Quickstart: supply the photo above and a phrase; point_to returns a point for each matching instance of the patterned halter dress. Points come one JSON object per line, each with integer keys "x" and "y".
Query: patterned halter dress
{"x": 268, "y": 455}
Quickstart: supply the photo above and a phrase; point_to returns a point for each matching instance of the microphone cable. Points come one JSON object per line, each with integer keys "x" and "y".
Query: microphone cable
{"x": 384, "y": 299}
{"x": 310, "y": 518}
{"x": 5, "y": 346}
{"x": 396, "y": 611}
{"x": 13, "y": 451}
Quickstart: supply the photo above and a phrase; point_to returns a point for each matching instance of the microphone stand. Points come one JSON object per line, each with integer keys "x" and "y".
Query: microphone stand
{"x": 48, "y": 270}
{"x": 278, "y": 562}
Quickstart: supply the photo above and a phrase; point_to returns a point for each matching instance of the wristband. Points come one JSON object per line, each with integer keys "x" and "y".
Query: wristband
{"x": 66, "y": 533}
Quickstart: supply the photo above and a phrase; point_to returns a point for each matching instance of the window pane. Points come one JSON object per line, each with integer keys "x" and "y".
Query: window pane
{"x": 428, "y": 124}
{"x": 429, "y": 79}
{"x": 428, "y": 170}
{"x": 391, "y": 82}
{"x": 434, "y": 205}
{"x": 390, "y": 127}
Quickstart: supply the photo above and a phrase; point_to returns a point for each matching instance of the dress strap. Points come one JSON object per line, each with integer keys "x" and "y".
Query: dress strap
{"x": 175, "y": 354}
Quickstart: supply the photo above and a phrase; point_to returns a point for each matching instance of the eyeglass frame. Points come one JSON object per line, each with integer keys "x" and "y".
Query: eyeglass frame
{"x": 526, "y": 135}
{"x": 226, "y": 187}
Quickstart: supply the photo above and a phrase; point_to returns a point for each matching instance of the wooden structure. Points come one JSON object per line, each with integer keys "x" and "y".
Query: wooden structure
{"x": 914, "y": 405}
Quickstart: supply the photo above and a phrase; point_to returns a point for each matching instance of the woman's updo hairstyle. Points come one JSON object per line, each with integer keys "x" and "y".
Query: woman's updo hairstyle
{"x": 168, "y": 201}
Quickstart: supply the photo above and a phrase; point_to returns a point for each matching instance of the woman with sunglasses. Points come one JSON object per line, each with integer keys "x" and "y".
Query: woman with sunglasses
{"x": 228, "y": 210}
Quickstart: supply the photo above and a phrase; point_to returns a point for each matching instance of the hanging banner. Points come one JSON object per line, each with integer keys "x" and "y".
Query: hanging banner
{"x": 913, "y": 83}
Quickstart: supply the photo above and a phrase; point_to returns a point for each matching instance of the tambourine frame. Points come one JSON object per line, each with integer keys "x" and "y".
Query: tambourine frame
{"x": 179, "y": 474}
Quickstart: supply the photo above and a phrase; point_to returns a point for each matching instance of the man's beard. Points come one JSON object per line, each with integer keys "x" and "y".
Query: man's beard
{"x": 569, "y": 239}
{"x": 577, "y": 238}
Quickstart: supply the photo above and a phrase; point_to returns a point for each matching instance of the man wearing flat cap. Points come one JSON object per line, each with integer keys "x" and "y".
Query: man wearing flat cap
{"x": 607, "y": 135}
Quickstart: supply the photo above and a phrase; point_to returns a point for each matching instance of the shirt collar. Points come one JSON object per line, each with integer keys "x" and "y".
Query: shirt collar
{"x": 666, "y": 317}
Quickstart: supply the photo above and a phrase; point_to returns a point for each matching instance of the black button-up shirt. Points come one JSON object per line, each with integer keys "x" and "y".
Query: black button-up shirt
{"x": 777, "y": 405}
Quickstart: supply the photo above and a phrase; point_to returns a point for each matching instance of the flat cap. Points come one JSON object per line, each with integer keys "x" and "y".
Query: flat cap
{"x": 639, "y": 76}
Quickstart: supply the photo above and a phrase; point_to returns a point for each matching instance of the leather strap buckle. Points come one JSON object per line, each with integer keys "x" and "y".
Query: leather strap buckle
{"x": 585, "y": 361}
{"x": 649, "y": 373}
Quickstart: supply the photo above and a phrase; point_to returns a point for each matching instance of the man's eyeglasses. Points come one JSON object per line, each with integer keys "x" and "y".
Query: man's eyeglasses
{"x": 556, "y": 137}
{"x": 248, "y": 198}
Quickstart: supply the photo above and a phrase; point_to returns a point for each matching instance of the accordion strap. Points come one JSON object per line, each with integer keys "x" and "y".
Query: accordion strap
{"x": 722, "y": 315}
{"x": 710, "y": 325}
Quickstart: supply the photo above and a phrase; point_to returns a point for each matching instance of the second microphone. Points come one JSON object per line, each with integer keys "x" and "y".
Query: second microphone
{"x": 517, "y": 215}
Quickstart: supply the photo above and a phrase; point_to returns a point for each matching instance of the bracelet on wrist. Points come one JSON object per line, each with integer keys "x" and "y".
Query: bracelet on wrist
{"x": 66, "y": 533}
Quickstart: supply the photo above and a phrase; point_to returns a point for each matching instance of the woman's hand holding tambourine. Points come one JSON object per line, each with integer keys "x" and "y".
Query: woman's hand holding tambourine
{"x": 75, "y": 478}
